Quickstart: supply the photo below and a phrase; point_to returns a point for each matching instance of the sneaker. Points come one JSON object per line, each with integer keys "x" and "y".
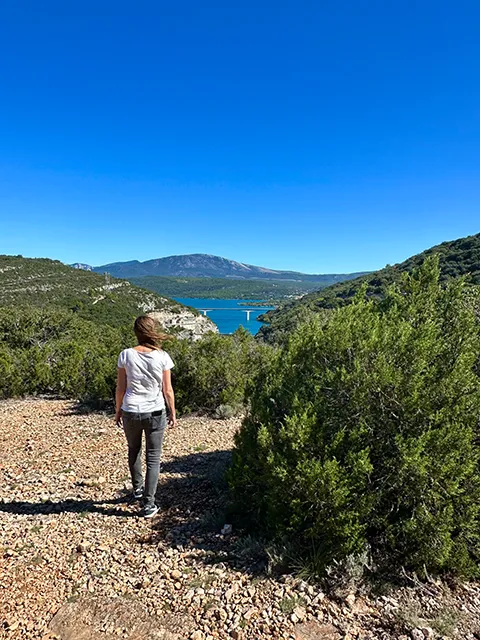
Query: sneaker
{"x": 137, "y": 494}
{"x": 149, "y": 512}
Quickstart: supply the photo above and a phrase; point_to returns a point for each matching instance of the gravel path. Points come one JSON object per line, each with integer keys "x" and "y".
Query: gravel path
{"x": 68, "y": 531}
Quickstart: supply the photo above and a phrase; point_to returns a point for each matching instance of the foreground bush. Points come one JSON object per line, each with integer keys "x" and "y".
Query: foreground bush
{"x": 362, "y": 434}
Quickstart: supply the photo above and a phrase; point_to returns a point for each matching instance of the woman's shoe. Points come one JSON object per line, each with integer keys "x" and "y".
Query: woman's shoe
{"x": 138, "y": 494}
{"x": 149, "y": 512}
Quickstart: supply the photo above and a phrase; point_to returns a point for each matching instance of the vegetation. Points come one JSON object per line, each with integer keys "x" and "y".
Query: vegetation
{"x": 456, "y": 258}
{"x": 211, "y": 374}
{"x": 362, "y": 436}
{"x": 225, "y": 288}
{"x": 54, "y": 351}
{"x": 48, "y": 283}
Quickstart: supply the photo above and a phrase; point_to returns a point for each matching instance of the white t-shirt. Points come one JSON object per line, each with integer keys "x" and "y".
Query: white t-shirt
{"x": 144, "y": 379}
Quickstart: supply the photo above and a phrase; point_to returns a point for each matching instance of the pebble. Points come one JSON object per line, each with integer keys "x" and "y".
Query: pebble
{"x": 350, "y": 599}
{"x": 300, "y": 613}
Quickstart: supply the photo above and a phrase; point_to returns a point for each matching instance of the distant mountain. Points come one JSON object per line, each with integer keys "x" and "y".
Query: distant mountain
{"x": 200, "y": 265}
{"x": 457, "y": 258}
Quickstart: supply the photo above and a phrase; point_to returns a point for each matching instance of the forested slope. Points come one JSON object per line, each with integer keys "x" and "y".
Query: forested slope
{"x": 183, "y": 287}
{"x": 457, "y": 258}
{"x": 45, "y": 283}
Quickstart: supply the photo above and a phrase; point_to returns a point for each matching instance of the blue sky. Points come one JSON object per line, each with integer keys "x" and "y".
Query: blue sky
{"x": 316, "y": 136}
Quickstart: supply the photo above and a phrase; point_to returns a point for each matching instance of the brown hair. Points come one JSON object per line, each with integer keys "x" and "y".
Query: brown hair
{"x": 148, "y": 332}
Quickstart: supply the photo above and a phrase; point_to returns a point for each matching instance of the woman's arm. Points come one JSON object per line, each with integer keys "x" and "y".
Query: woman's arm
{"x": 169, "y": 397}
{"x": 120, "y": 392}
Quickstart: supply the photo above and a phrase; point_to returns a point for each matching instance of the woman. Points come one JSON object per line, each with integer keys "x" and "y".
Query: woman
{"x": 143, "y": 385}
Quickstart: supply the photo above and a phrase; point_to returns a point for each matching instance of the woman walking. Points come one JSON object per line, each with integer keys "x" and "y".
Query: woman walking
{"x": 143, "y": 385}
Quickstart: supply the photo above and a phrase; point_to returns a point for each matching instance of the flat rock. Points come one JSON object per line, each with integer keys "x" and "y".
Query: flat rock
{"x": 105, "y": 619}
{"x": 316, "y": 631}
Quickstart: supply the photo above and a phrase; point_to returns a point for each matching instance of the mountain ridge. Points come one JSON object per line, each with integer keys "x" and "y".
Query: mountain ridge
{"x": 204, "y": 265}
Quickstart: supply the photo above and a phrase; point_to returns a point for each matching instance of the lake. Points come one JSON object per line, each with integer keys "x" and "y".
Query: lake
{"x": 228, "y": 315}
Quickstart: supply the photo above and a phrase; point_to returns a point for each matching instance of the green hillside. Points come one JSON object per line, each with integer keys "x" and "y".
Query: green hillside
{"x": 457, "y": 258}
{"x": 61, "y": 330}
{"x": 227, "y": 288}
{"x": 44, "y": 283}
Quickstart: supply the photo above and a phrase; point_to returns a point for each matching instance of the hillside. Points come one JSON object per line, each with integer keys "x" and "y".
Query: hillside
{"x": 41, "y": 282}
{"x": 199, "y": 265}
{"x": 227, "y": 288}
{"x": 457, "y": 258}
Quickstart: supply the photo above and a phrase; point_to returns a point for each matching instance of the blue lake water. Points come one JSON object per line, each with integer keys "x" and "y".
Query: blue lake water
{"x": 228, "y": 315}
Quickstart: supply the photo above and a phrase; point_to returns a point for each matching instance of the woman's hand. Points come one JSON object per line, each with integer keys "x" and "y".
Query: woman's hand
{"x": 170, "y": 398}
{"x": 119, "y": 394}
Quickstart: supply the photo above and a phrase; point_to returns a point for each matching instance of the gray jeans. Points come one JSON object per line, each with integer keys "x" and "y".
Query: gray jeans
{"x": 134, "y": 424}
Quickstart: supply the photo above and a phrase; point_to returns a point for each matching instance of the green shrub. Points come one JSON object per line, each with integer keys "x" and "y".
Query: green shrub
{"x": 362, "y": 433}
{"x": 55, "y": 351}
{"x": 10, "y": 379}
{"x": 214, "y": 371}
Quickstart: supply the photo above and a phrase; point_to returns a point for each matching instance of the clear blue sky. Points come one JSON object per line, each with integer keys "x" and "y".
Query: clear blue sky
{"x": 317, "y": 136}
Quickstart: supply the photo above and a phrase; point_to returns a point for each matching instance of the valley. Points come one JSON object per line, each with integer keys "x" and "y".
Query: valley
{"x": 344, "y": 389}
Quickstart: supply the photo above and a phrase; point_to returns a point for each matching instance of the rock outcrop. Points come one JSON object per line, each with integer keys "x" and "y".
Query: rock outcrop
{"x": 188, "y": 324}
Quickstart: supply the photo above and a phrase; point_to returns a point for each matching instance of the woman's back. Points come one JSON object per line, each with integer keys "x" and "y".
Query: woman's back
{"x": 144, "y": 371}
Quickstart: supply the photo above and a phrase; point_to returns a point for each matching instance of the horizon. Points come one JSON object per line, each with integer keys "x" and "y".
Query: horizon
{"x": 304, "y": 138}
{"x": 185, "y": 255}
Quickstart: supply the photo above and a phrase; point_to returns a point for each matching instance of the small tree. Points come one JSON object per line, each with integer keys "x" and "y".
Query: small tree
{"x": 362, "y": 433}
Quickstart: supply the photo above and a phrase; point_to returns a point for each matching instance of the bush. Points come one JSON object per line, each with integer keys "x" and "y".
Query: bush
{"x": 226, "y": 411}
{"x": 57, "y": 352}
{"x": 214, "y": 371}
{"x": 10, "y": 379}
{"x": 362, "y": 433}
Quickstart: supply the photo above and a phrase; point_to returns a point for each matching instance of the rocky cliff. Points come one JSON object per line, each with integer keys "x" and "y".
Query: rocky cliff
{"x": 184, "y": 322}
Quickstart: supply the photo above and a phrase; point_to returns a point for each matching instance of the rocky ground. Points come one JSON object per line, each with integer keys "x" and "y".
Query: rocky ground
{"x": 74, "y": 551}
